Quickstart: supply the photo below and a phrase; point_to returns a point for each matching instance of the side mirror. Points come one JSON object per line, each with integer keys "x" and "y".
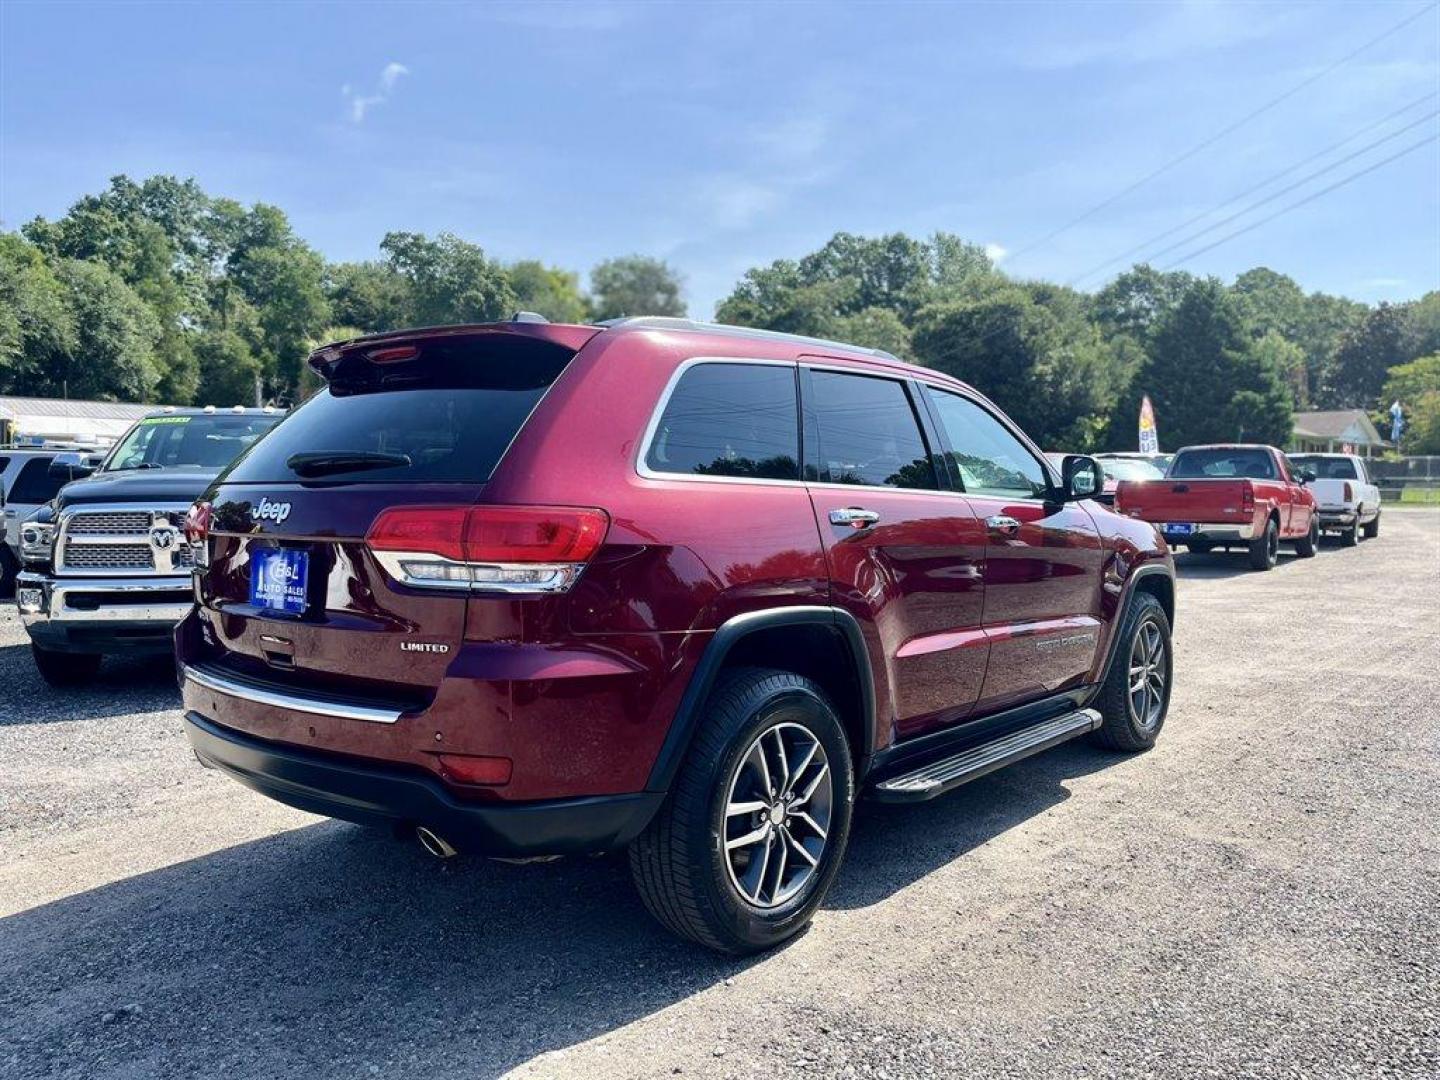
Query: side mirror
{"x": 1083, "y": 477}
{"x": 1307, "y": 476}
{"x": 70, "y": 466}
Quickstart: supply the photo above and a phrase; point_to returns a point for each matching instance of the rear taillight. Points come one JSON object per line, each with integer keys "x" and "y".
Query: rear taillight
{"x": 1247, "y": 498}
{"x": 515, "y": 549}
{"x": 197, "y": 532}
{"x": 197, "y": 522}
{"x": 1349, "y": 491}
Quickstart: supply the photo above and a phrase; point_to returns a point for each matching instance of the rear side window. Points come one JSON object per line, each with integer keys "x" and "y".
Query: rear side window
{"x": 1222, "y": 463}
{"x": 446, "y": 416}
{"x": 989, "y": 459}
{"x": 867, "y": 432}
{"x": 730, "y": 420}
{"x": 1327, "y": 468}
{"x": 35, "y": 484}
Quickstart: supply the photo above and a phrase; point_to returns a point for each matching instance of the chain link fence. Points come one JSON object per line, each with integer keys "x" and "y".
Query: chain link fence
{"x": 1408, "y": 479}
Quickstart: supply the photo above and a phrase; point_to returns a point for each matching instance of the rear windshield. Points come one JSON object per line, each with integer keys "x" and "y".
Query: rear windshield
{"x": 445, "y": 417}
{"x": 1125, "y": 469}
{"x": 1222, "y": 464}
{"x": 1326, "y": 468}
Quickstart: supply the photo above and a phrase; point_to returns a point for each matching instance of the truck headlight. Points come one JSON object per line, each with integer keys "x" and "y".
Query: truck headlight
{"x": 35, "y": 540}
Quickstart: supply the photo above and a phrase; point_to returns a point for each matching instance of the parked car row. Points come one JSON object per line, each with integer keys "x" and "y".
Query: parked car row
{"x": 1254, "y": 498}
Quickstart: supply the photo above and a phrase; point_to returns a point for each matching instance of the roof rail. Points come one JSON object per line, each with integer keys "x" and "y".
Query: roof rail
{"x": 667, "y": 322}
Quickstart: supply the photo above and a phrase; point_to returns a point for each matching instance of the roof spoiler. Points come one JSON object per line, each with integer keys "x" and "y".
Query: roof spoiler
{"x": 400, "y": 345}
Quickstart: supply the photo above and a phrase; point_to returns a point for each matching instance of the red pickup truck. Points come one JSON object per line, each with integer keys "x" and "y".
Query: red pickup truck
{"x": 1228, "y": 496}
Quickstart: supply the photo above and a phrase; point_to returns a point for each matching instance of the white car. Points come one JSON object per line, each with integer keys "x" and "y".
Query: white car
{"x": 1348, "y": 500}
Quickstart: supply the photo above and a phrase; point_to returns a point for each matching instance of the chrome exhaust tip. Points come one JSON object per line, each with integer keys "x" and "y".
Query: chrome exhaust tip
{"x": 434, "y": 843}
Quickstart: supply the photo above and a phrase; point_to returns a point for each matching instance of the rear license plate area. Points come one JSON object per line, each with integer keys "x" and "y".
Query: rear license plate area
{"x": 1178, "y": 528}
{"x": 279, "y": 580}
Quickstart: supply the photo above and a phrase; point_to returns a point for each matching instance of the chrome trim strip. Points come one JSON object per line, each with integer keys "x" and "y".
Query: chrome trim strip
{"x": 58, "y": 610}
{"x": 655, "y": 414}
{"x": 857, "y": 368}
{"x": 295, "y": 703}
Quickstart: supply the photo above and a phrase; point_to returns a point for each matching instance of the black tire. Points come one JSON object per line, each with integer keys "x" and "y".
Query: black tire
{"x": 1200, "y": 547}
{"x": 1306, "y": 547}
{"x": 1351, "y": 537}
{"x": 1124, "y": 728}
{"x": 1265, "y": 548}
{"x": 9, "y": 567}
{"x": 61, "y": 669}
{"x": 681, "y": 863}
{"x": 1372, "y": 528}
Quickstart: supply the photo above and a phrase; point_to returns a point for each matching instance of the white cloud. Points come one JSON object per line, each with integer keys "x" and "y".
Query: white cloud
{"x": 360, "y": 104}
{"x": 995, "y": 252}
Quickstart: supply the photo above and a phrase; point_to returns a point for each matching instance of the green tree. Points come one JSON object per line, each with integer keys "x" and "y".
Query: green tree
{"x": 371, "y": 296}
{"x": 876, "y": 328}
{"x": 1054, "y": 376}
{"x": 1416, "y": 386}
{"x": 1137, "y": 301}
{"x": 113, "y": 352}
{"x": 1287, "y": 359}
{"x": 777, "y": 297}
{"x": 1366, "y": 352}
{"x": 635, "y": 285}
{"x": 548, "y": 291}
{"x": 1206, "y": 378}
{"x": 1422, "y": 326}
{"x": 450, "y": 280}
{"x": 37, "y": 326}
{"x": 228, "y": 368}
{"x": 851, "y": 278}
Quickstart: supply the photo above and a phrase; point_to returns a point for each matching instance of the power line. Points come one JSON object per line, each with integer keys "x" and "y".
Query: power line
{"x": 1213, "y": 139}
{"x": 1254, "y": 188}
{"x": 1301, "y": 202}
{"x": 1297, "y": 184}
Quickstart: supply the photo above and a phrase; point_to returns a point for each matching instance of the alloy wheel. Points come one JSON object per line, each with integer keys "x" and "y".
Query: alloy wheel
{"x": 777, "y": 815}
{"x": 1147, "y": 675}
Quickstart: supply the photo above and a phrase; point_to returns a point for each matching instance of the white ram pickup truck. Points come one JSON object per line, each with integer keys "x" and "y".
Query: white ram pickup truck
{"x": 1348, "y": 500}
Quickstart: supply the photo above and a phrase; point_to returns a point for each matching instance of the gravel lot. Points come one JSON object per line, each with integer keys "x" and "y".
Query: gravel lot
{"x": 1258, "y": 896}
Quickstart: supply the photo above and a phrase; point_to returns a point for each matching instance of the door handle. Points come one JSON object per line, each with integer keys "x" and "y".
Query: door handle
{"x": 854, "y": 516}
{"x": 1003, "y": 523}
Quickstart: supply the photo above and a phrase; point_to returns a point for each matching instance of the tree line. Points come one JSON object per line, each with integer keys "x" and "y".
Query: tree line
{"x": 156, "y": 291}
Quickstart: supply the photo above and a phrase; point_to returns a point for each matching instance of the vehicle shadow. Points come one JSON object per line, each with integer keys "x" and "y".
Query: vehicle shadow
{"x": 124, "y": 686}
{"x": 337, "y": 951}
{"x": 895, "y": 844}
{"x": 1217, "y": 564}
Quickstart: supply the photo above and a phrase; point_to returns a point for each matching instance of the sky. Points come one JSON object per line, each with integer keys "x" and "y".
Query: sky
{"x": 722, "y": 136}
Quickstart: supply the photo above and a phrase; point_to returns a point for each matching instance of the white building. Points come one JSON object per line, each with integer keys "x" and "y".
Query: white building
{"x": 1336, "y": 431}
{"x": 37, "y": 421}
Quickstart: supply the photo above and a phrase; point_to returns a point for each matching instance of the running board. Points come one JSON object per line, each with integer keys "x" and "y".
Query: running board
{"x": 940, "y": 776}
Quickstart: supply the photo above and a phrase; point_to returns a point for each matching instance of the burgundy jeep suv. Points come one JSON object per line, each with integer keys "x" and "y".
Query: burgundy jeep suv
{"x": 529, "y": 589}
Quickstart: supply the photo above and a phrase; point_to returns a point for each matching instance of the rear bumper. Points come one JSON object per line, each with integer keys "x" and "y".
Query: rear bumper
{"x": 1214, "y": 534}
{"x": 1338, "y": 518}
{"x": 102, "y": 615}
{"x": 373, "y": 794}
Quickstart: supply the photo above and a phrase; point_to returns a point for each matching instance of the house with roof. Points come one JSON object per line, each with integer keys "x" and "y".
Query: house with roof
{"x": 1337, "y": 431}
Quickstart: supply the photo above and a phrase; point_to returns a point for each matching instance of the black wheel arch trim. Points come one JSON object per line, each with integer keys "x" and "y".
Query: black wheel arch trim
{"x": 1131, "y": 591}
{"x": 732, "y": 632}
